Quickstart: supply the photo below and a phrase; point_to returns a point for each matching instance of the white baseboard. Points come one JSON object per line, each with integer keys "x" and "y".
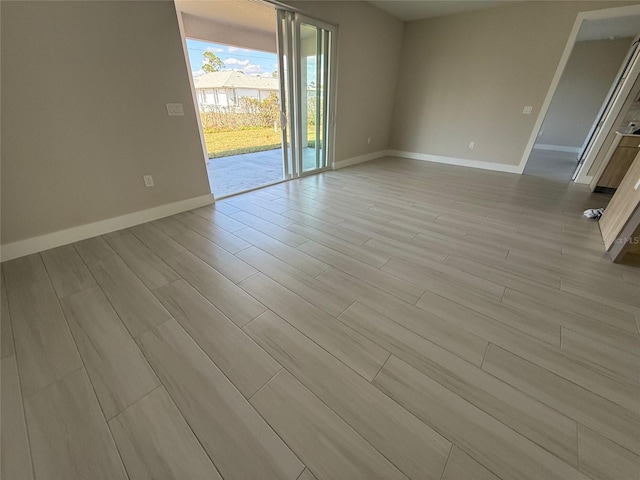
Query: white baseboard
{"x": 499, "y": 167}
{"x": 359, "y": 159}
{"x": 82, "y": 232}
{"x": 556, "y": 148}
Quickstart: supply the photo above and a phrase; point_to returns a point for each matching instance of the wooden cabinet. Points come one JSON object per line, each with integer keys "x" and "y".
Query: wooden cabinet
{"x": 623, "y": 154}
{"x": 619, "y": 223}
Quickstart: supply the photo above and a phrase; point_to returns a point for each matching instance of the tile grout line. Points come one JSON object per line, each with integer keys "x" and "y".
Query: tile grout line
{"x": 338, "y": 415}
{"x": 372, "y": 381}
{"x": 486, "y": 350}
{"x": 578, "y": 446}
{"x": 258, "y": 412}
{"x": 93, "y": 388}
{"x": 9, "y": 320}
{"x": 265, "y": 383}
{"x": 171, "y": 397}
{"x": 444, "y": 469}
{"x": 549, "y": 406}
{"x": 152, "y": 253}
{"x": 22, "y": 398}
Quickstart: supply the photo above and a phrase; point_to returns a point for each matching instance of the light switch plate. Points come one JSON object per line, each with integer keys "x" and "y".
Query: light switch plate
{"x": 175, "y": 110}
{"x": 527, "y": 110}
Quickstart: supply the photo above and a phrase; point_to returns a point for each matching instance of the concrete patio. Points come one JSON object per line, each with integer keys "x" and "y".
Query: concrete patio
{"x": 239, "y": 173}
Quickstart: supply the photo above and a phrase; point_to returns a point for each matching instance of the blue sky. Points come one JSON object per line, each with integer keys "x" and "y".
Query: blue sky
{"x": 251, "y": 62}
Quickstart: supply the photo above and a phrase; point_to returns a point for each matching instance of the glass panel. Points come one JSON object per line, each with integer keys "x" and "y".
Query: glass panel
{"x": 313, "y": 81}
{"x": 285, "y": 77}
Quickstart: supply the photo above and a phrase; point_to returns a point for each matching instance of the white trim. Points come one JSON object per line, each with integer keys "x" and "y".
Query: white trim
{"x": 359, "y": 159}
{"x": 192, "y": 86}
{"x": 556, "y": 148}
{"x": 462, "y": 162}
{"x": 626, "y": 93}
{"x": 82, "y": 232}
{"x": 332, "y": 99}
{"x": 589, "y": 15}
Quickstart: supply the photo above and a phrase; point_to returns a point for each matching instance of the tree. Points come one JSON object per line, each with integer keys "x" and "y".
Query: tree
{"x": 275, "y": 74}
{"x": 211, "y": 62}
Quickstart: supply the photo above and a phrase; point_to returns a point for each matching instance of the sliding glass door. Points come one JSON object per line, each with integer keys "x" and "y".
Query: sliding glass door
{"x": 307, "y": 75}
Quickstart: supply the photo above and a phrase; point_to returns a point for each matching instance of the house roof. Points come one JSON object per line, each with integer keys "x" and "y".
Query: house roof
{"x": 232, "y": 79}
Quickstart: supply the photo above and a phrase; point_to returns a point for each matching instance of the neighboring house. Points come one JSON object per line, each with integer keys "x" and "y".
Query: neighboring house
{"x": 224, "y": 89}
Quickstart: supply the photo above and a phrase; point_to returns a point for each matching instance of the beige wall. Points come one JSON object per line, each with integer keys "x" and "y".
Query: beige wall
{"x": 369, "y": 43}
{"x": 467, "y": 77}
{"x": 582, "y": 89}
{"x": 84, "y": 88}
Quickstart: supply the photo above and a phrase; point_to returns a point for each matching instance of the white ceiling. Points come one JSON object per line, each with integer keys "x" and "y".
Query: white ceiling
{"x": 257, "y": 15}
{"x": 252, "y": 15}
{"x": 618, "y": 27}
{"x": 408, "y": 10}
{"x": 260, "y": 16}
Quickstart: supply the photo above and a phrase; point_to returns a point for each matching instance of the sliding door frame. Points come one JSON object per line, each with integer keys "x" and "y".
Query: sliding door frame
{"x": 598, "y": 144}
{"x": 284, "y": 43}
{"x": 607, "y": 107}
{"x": 289, "y": 61}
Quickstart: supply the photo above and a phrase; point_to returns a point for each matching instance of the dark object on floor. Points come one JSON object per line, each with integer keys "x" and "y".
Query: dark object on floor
{"x": 594, "y": 213}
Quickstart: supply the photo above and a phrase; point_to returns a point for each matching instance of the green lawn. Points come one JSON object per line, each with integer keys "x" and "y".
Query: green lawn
{"x": 236, "y": 142}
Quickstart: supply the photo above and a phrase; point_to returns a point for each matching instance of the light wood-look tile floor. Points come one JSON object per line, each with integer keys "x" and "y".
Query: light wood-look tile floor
{"x": 397, "y": 319}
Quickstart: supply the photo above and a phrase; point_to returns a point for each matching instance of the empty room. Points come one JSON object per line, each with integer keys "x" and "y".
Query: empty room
{"x": 438, "y": 277}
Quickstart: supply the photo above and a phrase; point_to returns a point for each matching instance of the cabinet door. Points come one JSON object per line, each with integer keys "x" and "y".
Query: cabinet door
{"x": 621, "y": 207}
{"x": 620, "y": 162}
{"x": 630, "y": 141}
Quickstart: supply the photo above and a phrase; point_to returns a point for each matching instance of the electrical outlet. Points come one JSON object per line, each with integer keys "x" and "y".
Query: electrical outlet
{"x": 148, "y": 180}
{"x": 472, "y": 144}
{"x": 527, "y": 110}
{"x": 175, "y": 110}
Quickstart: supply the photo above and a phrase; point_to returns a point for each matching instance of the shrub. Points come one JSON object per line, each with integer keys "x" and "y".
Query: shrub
{"x": 249, "y": 113}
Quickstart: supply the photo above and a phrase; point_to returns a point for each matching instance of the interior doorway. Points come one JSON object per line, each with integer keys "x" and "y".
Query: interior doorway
{"x": 589, "y": 79}
{"x": 549, "y": 157}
